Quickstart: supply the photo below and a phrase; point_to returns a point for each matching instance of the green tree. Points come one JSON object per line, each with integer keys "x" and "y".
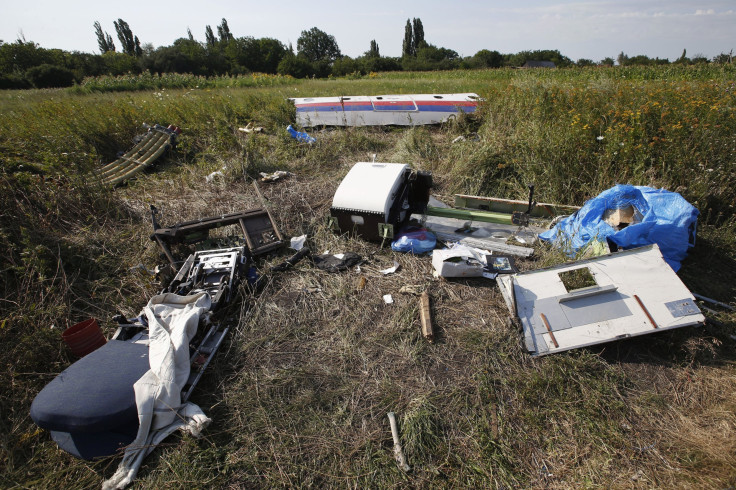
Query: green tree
{"x": 296, "y": 66}
{"x": 584, "y": 62}
{"x": 485, "y": 59}
{"x": 190, "y": 36}
{"x": 346, "y": 66}
{"x": 407, "y": 48}
{"x": 317, "y": 46}
{"x": 622, "y": 59}
{"x": 683, "y": 59}
{"x": 130, "y": 43}
{"x": 607, "y": 61}
{"x": 209, "y": 36}
{"x": 418, "y": 35}
{"x": 223, "y": 31}
{"x": 373, "y": 52}
{"x": 104, "y": 40}
{"x": 21, "y": 55}
{"x": 723, "y": 58}
{"x": 120, "y": 63}
{"x": 699, "y": 59}
{"x": 552, "y": 55}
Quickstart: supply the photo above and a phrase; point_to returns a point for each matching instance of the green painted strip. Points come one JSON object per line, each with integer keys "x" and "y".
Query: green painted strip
{"x": 470, "y": 215}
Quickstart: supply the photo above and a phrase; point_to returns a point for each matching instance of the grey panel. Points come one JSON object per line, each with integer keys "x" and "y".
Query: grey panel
{"x": 595, "y": 309}
{"x": 683, "y": 307}
{"x": 555, "y": 316}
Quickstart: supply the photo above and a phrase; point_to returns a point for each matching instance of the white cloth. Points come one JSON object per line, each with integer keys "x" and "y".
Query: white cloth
{"x": 172, "y": 322}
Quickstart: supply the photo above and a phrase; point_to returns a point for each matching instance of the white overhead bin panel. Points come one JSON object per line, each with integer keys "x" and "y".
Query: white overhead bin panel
{"x": 589, "y": 302}
{"x": 370, "y": 187}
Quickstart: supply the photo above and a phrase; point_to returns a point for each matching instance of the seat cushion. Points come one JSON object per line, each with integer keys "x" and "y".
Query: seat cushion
{"x": 93, "y": 445}
{"x": 94, "y": 394}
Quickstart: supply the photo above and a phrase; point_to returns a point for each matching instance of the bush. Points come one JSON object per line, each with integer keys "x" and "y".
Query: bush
{"x": 13, "y": 82}
{"x": 48, "y": 76}
{"x": 295, "y": 66}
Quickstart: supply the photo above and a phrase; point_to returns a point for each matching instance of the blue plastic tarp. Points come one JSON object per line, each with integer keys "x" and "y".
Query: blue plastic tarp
{"x": 666, "y": 219}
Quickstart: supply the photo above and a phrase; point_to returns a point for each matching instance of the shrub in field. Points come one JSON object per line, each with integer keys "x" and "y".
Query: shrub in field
{"x": 50, "y": 76}
{"x": 14, "y": 81}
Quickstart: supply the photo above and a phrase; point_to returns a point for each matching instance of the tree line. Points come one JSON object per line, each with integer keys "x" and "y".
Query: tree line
{"x": 24, "y": 64}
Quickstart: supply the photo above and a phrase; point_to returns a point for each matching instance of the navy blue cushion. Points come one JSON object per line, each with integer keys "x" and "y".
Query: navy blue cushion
{"x": 93, "y": 445}
{"x": 95, "y": 394}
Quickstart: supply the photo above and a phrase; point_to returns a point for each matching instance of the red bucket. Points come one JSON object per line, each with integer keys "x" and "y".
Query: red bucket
{"x": 84, "y": 337}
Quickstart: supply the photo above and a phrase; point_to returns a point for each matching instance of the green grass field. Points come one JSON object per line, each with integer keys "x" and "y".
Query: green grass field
{"x": 299, "y": 393}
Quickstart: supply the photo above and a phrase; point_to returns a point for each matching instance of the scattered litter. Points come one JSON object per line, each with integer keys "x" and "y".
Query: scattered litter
{"x": 425, "y": 317}
{"x": 300, "y": 136}
{"x": 391, "y": 270}
{"x": 398, "y": 452}
{"x": 297, "y": 242}
{"x": 249, "y": 128}
{"x": 501, "y": 264}
{"x": 598, "y": 300}
{"x": 459, "y": 261}
{"x": 337, "y": 262}
{"x": 277, "y": 175}
{"x": 628, "y": 217}
{"x": 459, "y": 139}
{"x": 414, "y": 240}
{"x": 141, "y": 267}
{"x": 212, "y": 176}
{"x": 409, "y": 289}
{"x": 361, "y": 283}
{"x": 388, "y": 299}
{"x": 291, "y": 261}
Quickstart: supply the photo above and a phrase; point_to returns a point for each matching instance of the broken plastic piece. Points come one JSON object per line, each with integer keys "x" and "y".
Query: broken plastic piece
{"x": 277, "y": 175}
{"x": 459, "y": 261}
{"x": 297, "y": 242}
{"x": 300, "y": 136}
{"x": 391, "y": 270}
{"x": 212, "y": 176}
{"x": 249, "y": 128}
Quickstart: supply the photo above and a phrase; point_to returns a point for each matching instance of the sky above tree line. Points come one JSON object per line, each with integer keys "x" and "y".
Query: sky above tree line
{"x": 578, "y": 29}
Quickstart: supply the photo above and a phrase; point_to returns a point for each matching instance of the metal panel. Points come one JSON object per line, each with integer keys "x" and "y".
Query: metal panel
{"x": 634, "y": 297}
{"x": 682, "y": 307}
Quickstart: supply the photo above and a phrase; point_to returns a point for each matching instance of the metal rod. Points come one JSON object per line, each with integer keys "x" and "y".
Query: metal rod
{"x": 714, "y": 302}
{"x": 646, "y": 312}
{"x": 549, "y": 329}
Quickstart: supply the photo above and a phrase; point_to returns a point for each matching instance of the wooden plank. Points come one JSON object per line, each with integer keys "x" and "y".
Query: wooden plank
{"x": 425, "y": 317}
